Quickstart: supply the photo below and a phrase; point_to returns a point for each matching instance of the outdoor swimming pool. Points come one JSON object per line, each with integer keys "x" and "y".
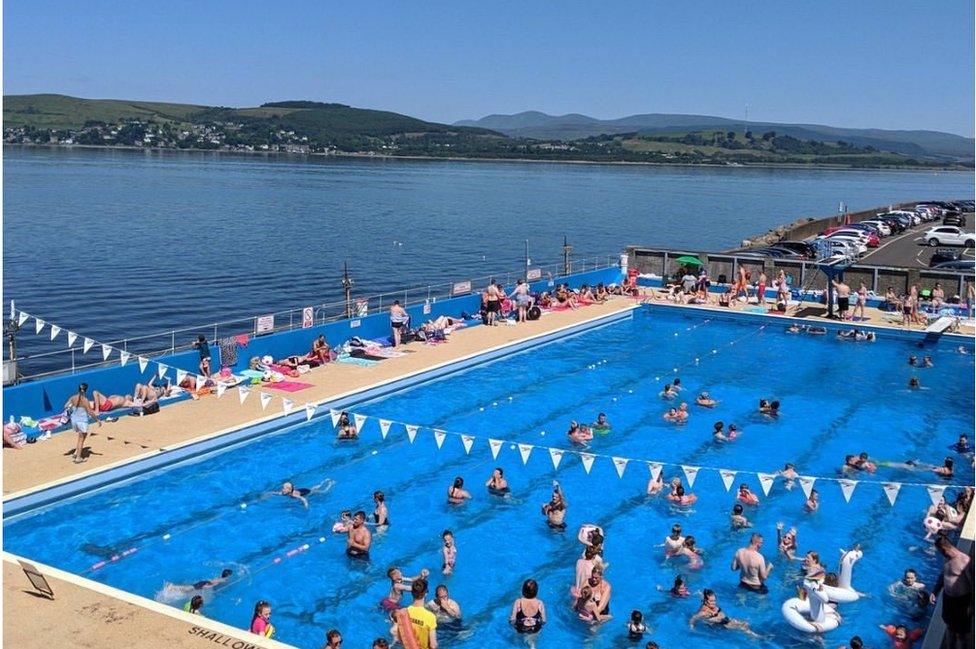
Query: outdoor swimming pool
{"x": 188, "y": 523}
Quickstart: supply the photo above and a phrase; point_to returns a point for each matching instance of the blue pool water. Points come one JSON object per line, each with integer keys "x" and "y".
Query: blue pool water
{"x": 837, "y": 398}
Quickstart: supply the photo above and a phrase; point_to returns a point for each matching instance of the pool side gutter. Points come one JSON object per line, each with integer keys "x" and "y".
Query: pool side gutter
{"x": 197, "y": 627}
{"x": 50, "y": 492}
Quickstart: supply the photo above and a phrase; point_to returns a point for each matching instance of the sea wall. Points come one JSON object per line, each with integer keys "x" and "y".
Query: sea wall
{"x": 47, "y": 396}
{"x": 810, "y": 226}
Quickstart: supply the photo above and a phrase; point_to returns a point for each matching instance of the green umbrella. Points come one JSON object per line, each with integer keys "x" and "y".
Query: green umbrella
{"x": 688, "y": 260}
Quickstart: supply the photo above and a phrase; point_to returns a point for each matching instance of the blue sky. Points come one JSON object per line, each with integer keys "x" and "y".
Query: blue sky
{"x": 885, "y": 64}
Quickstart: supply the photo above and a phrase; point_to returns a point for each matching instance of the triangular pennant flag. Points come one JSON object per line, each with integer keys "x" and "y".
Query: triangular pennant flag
{"x": 847, "y": 487}
{"x": 124, "y": 357}
{"x": 525, "y": 450}
{"x": 242, "y": 391}
{"x": 87, "y": 345}
{"x": 691, "y": 472}
{"x": 587, "y": 459}
{"x": 557, "y": 455}
{"x": 384, "y": 427}
{"x": 806, "y": 482}
{"x": 766, "y": 481}
{"x": 468, "y": 441}
{"x": 935, "y": 492}
{"x": 180, "y": 374}
{"x": 411, "y": 431}
{"x": 360, "y": 420}
{"x": 38, "y": 325}
{"x": 161, "y": 369}
{"x": 286, "y": 405}
{"x": 221, "y": 388}
{"x": 655, "y": 469}
{"x": 891, "y": 490}
{"x": 728, "y": 477}
{"x": 22, "y": 318}
{"x": 439, "y": 436}
{"x": 309, "y": 411}
{"x": 106, "y": 352}
{"x": 620, "y": 463}
{"x": 144, "y": 362}
{"x": 265, "y": 400}
{"x": 72, "y": 337}
{"x": 55, "y": 330}
{"x": 335, "y": 414}
{"x": 496, "y": 445}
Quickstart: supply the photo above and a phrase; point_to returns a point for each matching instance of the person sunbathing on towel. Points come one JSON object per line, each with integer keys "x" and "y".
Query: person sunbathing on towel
{"x": 147, "y": 393}
{"x": 107, "y": 403}
{"x": 601, "y": 293}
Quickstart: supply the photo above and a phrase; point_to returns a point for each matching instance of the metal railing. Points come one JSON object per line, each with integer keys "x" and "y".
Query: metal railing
{"x": 167, "y": 342}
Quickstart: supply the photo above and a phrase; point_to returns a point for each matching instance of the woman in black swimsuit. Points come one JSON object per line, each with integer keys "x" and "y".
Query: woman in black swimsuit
{"x": 712, "y": 613}
{"x": 381, "y": 516}
{"x": 528, "y": 612}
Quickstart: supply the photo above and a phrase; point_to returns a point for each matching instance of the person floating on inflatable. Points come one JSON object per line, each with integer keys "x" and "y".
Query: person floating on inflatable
{"x": 811, "y": 612}
{"x": 601, "y": 426}
{"x": 746, "y": 497}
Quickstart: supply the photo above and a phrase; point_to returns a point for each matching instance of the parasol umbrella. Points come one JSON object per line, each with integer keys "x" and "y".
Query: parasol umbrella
{"x": 688, "y": 260}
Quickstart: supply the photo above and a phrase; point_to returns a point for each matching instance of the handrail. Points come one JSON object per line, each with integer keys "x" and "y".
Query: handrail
{"x": 292, "y": 318}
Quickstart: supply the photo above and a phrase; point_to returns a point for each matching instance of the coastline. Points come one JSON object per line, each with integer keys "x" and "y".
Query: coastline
{"x": 385, "y": 157}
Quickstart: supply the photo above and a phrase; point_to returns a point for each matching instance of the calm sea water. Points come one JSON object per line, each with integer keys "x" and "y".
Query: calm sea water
{"x": 116, "y": 243}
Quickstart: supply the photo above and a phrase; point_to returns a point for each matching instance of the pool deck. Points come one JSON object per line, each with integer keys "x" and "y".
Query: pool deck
{"x": 89, "y": 614}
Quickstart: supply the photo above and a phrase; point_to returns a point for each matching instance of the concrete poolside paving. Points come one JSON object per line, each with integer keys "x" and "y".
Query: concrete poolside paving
{"x": 87, "y": 614}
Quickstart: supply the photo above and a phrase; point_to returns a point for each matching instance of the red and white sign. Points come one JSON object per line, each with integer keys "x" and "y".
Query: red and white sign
{"x": 533, "y": 274}
{"x": 308, "y": 317}
{"x": 461, "y": 288}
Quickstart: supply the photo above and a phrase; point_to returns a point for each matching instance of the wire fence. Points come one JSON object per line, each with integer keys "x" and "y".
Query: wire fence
{"x": 73, "y": 359}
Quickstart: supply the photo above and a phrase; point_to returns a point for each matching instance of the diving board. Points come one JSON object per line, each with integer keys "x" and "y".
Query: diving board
{"x": 940, "y": 325}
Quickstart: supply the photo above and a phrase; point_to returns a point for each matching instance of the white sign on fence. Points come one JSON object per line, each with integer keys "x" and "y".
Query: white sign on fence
{"x": 308, "y": 317}
{"x": 534, "y": 274}
{"x": 353, "y": 324}
{"x": 460, "y": 288}
{"x": 264, "y": 324}
{"x": 362, "y": 308}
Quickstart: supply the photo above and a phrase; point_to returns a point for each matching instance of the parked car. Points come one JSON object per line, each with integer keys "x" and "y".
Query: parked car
{"x": 891, "y": 217}
{"x": 954, "y": 218}
{"x": 869, "y": 239}
{"x": 942, "y": 255}
{"x": 843, "y": 246}
{"x": 958, "y": 264}
{"x": 948, "y": 235}
{"x": 799, "y": 247}
{"x": 883, "y": 228}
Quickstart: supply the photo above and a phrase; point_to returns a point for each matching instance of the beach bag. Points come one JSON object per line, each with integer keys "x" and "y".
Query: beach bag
{"x": 151, "y": 409}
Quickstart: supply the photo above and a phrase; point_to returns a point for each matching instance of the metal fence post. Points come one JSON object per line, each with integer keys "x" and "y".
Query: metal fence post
{"x": 72, "y": 360}
{"x": 172, "y": 342}
{"x": 215, "y": 332}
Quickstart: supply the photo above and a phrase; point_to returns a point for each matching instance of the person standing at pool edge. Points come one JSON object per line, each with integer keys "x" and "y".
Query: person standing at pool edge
{"x": 398, "y": 318}
{"x": 752, "y": 566}
{"x": 201, "y": 346}
{"x": 80, "y": 410}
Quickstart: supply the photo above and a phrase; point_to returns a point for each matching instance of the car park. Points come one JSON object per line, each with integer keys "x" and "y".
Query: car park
{"x": 954, "y": 218}
{"x": 948, "y": 235}
{"x": 869, "y": 239}
{"x": 942, "y": 255}
{"x": 883, "y": 228}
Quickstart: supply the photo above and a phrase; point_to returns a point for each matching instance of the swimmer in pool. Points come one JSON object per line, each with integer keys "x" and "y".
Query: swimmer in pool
{"x": 555, "y": 509}
{"x": 579, "y": 434}
{"x": 344, "y": 524}
{"x": 671, "y": 415}
{"x": 690, "y": 552}
{"x": 456, "y": 494}
{"x": 711, "y": 613}
{"x": 681, "y": 499}
{"x": 738, "y": 519}
{"x": 913, "y": 360}
{"x": 786, "y": 541}
{"x": 769, "y": 408}
{"x": 668, "y": 392}
{"x": 789, "y": 474}
{"x": 497, "y": 484}
{"x": 943, "y": 471}
{"x": 359, "y": 539}
{"x": 445, "y": 608}
{"x": 909, "y": 583}
{"x": 927, "y": 362}
{"x": 813, "y": 502}
{"x": 752, "y": 567}
{"x": 381, "y": 515}
{"x": 289, "y": 491}
{"x": 677, "y": 385}
{"x": 746, "y": 497}
{"x": 399, "y": 584}
{"x": 673, "y": 541}
{"x": 962, "y": 446}
{"x": 601, "y": 425}
{"x": 733, "y": 432}
{"x": 345, "y": 429}
{"x": 654, "y": 486}
{"x": 225, "y": 574}
{"x": 683, "y": 412}
{"x": 705, "y": 400}
{"x": 914, "y": 383}
{"x": 449, "y": 551}
{"x": 718, "y": 432}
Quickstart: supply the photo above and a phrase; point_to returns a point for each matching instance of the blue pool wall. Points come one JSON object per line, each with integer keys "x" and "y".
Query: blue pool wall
{"x": 47, "y": 396}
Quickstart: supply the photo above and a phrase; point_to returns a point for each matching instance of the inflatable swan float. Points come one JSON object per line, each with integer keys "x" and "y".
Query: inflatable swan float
{"x": 816, "y": 613}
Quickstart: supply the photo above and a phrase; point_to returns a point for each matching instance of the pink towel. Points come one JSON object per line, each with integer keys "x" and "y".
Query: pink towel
{"x": 289, "y": 386}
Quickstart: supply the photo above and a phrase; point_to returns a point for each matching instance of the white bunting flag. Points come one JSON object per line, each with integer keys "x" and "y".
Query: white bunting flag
{"x": 439, "y": 437}
{"x": 655, "y": 469}
{"x": 891, "y": 490}
{"x": 22, "y": 318}
{"x": 766, "y": 481}
{"x": 468, "y": 441}
{"x": 360, "y": 420}
{"x": 620, "y": 463}
{"x": 335, "y": 414}
{"x": 587, "y": 461}
{"x": 242, "y": 391}
{"x": 412, "y": 432}
{"x": 55, "y": 330}
{"x": 124, "y": 357}
{"x": 691, "y": 472}
{"x": 847, "y": 488}
{"x": 525, "y": 450}
{"x": 496, "y": 445}
{"x": 556, "y": 455}
{"x": 72, "y": 337}
{"x": 385, "y": 427}
{"x": 161, "y": 369}
{"x": 806, "y": 483}
{"x": 265, "y": 400}
{"x": 221, "y": 388}
{"x": 309, "y": 411}
{"x": 144, "y": 362}
{"x": 935, "y": 492}
{"x": 728, "y": 477}
{"x": 180, "y": 374}
{"x": 87, "y": 345}
{"x": 38, "y": 325}
{"x": 106, "y": 352}
{"x": 286, "y": 405}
